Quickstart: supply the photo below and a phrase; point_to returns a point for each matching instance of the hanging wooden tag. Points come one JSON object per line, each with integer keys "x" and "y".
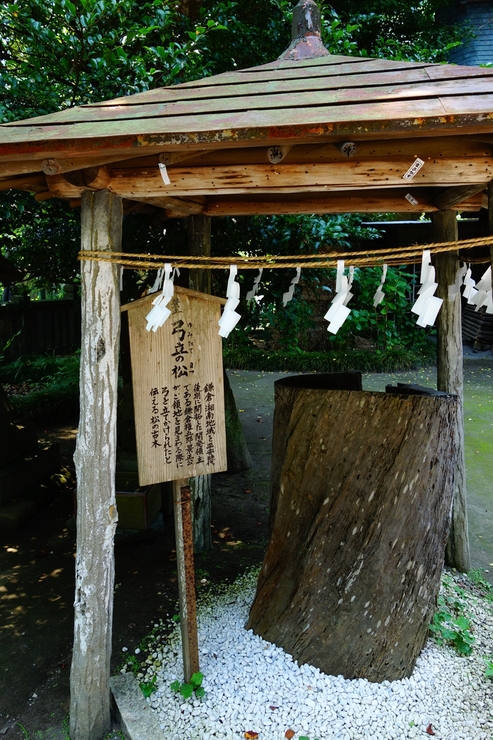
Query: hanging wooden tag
{"x": 177, "y": 377}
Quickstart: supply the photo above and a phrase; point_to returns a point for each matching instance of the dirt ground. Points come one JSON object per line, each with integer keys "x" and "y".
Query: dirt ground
{"x": 37, "y": 572}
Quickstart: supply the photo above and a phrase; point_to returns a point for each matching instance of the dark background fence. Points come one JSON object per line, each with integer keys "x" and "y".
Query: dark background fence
{"x": 40, "y": 326}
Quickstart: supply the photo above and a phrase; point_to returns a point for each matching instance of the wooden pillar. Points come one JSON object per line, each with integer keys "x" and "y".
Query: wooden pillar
{"x": 450, "y": 379}
{"x": 490, "y": 215}
{"x": 182, "y": 509}
{"x": 95, "y": 460}
{"x": 199, "y": 244}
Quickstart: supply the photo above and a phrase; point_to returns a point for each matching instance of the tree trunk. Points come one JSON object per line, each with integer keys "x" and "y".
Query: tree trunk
{"x": 450, "y": 379}
{"x": 236, "y": 447}
{"x": 361, "y": 488}
{"x": 95, "y": 458}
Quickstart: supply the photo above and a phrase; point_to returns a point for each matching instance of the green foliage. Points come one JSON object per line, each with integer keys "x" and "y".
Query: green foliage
{"x": 56, "y": 54}
{"x": 8, "y": 343}
{"x": 489, "y": 667}
{"x": 397, "y": 29}
{"x": 286, "y": 327}
{"x": 391, "y": 324}
{"x": 148, "y": 687}
{"x": 483, "y": 586}
{"x": 55, "y": 391}
{"x": 187, "y": 688}
{"x": 329, "y": 362}
{"x": 451, "y": 624}
{"x": 41, "y": 369}
{"x": 41, "y": 238}
{"x": 133, "y": 664}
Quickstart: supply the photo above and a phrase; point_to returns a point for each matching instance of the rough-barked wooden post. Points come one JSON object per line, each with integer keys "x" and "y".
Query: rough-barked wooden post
{"x": 199, "y": 245}
{"x": 450, "y": 379}
{"x": 186, "y": 576}
{"x": 490, "y": 216}
{"x": 95, "y": 459}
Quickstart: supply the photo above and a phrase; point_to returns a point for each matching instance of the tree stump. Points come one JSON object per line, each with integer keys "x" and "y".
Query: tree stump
{"x": 362, "y": 487}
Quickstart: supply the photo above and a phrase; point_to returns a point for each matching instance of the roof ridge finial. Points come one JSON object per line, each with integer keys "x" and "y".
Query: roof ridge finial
{"x": 306, "y": 33}
{"x": 307, "y": 20}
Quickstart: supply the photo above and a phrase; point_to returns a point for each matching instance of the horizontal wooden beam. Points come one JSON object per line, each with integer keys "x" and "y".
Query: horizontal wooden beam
{"x": 72, "y": 184}
{"x": 447, "y": 147}
{"x": 31, "y": 183}
{"x": 451, "y": 197}
{"x": 347, "y": 174}
{"x": 179, "y": 206}
{"x": 444, "y": 146}
{"x": 390, "y": 200}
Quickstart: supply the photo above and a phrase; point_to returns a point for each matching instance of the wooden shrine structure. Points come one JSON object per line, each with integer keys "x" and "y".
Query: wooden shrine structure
{"x": 308, "y": 133}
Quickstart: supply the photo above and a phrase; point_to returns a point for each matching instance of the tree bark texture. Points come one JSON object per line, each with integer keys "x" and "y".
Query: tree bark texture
{"x": 450, "y": 379}
{"x": 362, "y": 489}
{"x": 201, "y": 487}
{"x": 95, "y": 458}
{"x": 236, "y": 447}
{"x": 199, "y": 244}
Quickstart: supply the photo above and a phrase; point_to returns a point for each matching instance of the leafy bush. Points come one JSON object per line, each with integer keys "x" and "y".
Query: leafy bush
{"x": 379, "y": 361}
{"x": 40, "y": 369}
{"x": 391, "y": 324}
{"x": 451, "y": 624}
{"x": 55, "y": 386}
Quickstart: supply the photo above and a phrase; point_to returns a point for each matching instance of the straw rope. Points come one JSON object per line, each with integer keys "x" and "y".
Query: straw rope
{"x": 369, "y": 258}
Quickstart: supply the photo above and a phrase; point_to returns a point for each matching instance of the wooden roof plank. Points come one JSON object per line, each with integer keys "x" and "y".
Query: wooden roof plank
{"x": 322, "y": 66}
{"x": 269, "y": 87}
{"x": 279, "y": 117}
{"x": 287, "y": 100}
{"x": 301, "y": 83}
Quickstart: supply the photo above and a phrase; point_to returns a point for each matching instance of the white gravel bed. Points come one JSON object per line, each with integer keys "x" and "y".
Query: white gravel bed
{"x": 252, "y": 685}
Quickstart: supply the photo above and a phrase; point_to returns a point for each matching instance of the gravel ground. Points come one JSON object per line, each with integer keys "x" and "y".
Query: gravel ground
{"x": 254, "y": 687}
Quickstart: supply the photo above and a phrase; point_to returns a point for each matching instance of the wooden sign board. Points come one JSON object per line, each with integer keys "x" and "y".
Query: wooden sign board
{"x": 178, "y": 390}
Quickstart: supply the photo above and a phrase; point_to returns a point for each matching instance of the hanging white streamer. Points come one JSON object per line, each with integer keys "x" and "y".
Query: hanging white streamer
{"x": 288, "y": 296}
{"x": 230, "y": 317}
{"x": 158, "y": 281}
{"x": 427, "y": 305}
{"x": 338, "y": 311}
{"x": 469, "y": 286}
{"x": 454, "y": 289}
{"x": 159, "y": 313}
{"x": 256, "y": 284}
{"x": 483, "y": 296}
{"x": 379, "y": 294}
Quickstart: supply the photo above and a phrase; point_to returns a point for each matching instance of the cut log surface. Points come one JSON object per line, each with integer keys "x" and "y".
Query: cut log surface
{"x": 362, "y": 488}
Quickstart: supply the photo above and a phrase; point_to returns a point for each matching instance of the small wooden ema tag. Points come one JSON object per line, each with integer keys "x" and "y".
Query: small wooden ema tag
{"x": 178, "y": 390}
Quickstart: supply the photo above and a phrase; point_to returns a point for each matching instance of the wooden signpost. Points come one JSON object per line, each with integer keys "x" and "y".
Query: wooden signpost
{"x": 177, "y": 378}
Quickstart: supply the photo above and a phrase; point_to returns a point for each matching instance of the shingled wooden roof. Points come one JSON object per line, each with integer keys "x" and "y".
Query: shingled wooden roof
{"x": 216, "y": 137}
